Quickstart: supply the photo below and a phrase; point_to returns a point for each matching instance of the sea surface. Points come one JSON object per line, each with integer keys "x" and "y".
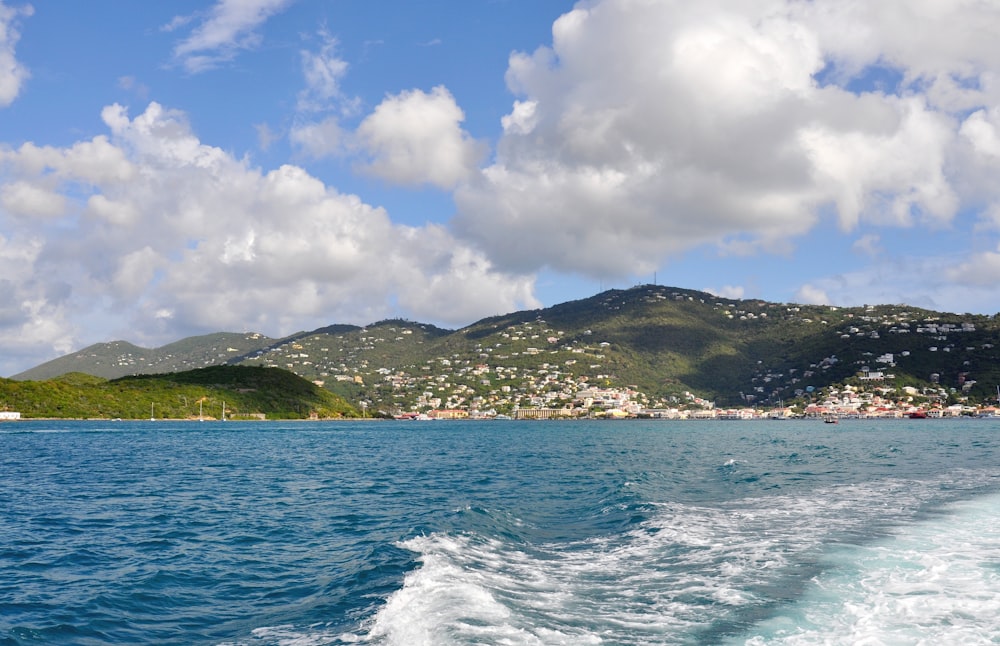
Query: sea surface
{"x": 500, "y": 532}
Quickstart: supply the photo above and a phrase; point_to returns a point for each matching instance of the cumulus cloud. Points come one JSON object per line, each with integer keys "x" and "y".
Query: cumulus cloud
{"x": 416, "y": 138}
{"x": 13, "y": 73}
{"x": 160, "y": 233}
{"x": 229, "y": 28}
{"x": 412, "y": 138}
{"x": 649, "y": 128}
{"x": 34, "y": 320}
{"x": 978, "y": 161}
{"x": 26, "y": 199}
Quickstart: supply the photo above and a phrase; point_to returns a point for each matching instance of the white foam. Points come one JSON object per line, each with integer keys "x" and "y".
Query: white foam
{"x": 472, "y": 591}
{"x": 933, "y": 582}
{"x": 690, "y": 568}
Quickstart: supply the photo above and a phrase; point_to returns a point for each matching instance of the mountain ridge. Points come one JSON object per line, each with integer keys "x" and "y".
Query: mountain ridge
{"x": 667, "y": 342}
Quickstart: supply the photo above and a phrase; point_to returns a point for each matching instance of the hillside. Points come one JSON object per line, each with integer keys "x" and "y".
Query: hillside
{"x": 669, "y": 345}
{"x": 247, "y": 392}
{"x": 121, "y": 358}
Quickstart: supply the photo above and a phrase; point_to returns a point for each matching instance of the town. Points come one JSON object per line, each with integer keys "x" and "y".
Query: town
{"x": 649, "y": 351}
{"x": 534, "y": 370}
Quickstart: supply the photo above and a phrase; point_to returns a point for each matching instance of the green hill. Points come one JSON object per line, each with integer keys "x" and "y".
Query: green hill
{"x": 666, "y": 342}
{"x": 247, "y": 392}
{"x": 669, "y": 344}
{"x": 121, "y": 358}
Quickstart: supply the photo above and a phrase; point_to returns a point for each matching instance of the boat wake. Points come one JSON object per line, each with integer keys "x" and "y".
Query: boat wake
{"x": 777, "y": 570}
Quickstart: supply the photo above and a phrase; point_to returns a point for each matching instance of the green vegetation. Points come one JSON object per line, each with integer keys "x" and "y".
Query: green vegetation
{"x": 120, "y": 358}
{"x": 248, "y": 393}
{"x": 670, "y": 345}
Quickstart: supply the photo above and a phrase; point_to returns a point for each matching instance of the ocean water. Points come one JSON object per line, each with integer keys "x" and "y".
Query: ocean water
{"x": 512, "y": 533}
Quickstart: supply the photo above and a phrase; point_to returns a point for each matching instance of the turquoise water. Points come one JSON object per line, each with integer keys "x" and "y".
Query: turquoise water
{"x": 535, "y": 533}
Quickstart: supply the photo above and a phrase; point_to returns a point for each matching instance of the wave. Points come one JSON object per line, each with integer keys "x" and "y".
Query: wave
{"x": 753, "y": 570}
{"x": 933, "y": 582}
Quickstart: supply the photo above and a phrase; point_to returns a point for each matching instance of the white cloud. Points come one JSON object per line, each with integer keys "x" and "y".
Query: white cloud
{"x": 947, "y": 283}
{"x": 27, "y": 199}
{"x": 980, "y": 129}
{"x": 163, "y": 235}
{"x": 981, "y": 270}
{"x": 943, "y": 50}
{"x": 416, "y": 138}
{"x": 320, "y": 138}
{"x": 977, "y": 164}
{"x": 323, "y": 71}
{"x": 91, "y": 162}
{"x": 728, "y": 291}
{"x": 265, "y": 136}
{"x": 522, "y": 119}
{"x": 649, "y": 128}
{"x": 868, "y": 245}
{"x": 13, "y": 73}
{"x": 34, "y": 321}
{"x": 812, "y": 295}
{"x": 229, "y": 28}
{"x": 176, "y": 23}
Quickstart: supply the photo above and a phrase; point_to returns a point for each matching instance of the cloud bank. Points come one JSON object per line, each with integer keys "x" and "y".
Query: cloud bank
{"x": 650, "y": 128}
{"x": 150, "y": 227}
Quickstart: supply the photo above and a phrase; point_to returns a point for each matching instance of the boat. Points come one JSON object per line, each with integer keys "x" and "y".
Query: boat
{"x": 917, "y": 414}
{"x": 830, "y": 419}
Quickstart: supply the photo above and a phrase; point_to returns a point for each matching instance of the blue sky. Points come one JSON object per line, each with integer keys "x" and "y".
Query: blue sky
{"x": 169, "y": 169}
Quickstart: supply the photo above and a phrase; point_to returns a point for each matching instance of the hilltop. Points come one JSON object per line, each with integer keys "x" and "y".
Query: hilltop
{"x": 656, "y": 345}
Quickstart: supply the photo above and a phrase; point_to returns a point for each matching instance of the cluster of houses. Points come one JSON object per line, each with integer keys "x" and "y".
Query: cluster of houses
{"x": 847, "y": 403}
{"x": 531, "y": 369}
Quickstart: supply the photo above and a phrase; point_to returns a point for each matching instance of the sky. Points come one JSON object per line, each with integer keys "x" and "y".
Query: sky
{"x": 177, "y": 168}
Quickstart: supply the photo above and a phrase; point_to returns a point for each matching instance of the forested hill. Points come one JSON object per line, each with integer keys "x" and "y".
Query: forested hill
{"x": 660, "y": 340}
{"x": 243, "y": 392}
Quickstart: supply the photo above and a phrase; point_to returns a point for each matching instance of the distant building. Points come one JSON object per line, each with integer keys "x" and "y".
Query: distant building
{"x": 534, "y": 413}
{"x": 448, "y": 413}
